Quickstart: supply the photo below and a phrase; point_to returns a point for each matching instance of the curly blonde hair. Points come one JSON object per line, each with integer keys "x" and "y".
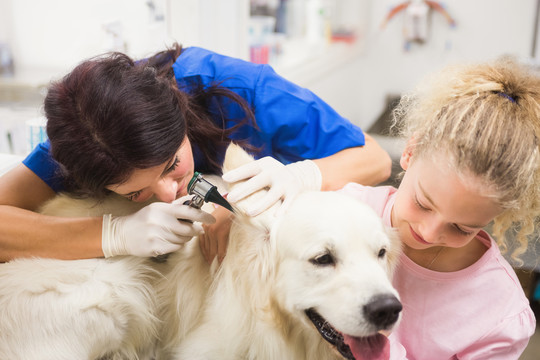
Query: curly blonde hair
{"x": 486, "y": 119}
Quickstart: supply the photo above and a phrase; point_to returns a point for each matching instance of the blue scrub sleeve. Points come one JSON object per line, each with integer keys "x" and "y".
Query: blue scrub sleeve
{"x": 297, "y": 123}
{"x": 294, "y": 124}
{"x": 44, "y": 166}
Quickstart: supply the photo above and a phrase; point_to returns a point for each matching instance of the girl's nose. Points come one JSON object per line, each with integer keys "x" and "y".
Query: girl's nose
{"x": 165, "y": 189}
{"x": 433, "y": 231}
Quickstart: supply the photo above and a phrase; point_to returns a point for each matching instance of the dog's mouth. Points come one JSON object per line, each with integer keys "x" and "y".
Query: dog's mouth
{"x": 365, "y": 348}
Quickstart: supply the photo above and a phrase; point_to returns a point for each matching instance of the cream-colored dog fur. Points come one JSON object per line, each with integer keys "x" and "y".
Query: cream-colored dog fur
{"x": 79, "y": 309}
{"x": 250, "y": 307}
{"x": 253, "y": 306}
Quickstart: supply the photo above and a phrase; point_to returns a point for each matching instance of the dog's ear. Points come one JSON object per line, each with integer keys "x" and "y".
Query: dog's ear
{"x": 396, "y": 250}
{"x": 235, "y": 157}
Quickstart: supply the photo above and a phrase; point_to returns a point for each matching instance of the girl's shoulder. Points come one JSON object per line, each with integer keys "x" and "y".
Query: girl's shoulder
{"x": 380, "y": 198}
{"x": 369, "y": 194}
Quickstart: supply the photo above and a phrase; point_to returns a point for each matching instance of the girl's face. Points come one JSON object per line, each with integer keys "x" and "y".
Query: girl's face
{"x": 435, "y": 207}
{"x": 167, "y": 181}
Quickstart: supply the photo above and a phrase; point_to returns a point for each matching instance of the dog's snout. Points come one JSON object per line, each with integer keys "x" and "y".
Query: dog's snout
{"x": 383, "y": 310}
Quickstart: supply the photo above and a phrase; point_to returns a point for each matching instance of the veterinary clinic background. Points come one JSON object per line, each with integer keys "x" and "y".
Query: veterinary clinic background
{"x": 359, "y": 56}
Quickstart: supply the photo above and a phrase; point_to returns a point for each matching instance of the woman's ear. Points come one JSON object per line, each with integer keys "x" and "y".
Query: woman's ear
{"x": 406, "y": 156}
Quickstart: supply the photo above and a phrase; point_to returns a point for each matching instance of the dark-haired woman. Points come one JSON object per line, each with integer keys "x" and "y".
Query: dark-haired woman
{"x": 141, "y": 128}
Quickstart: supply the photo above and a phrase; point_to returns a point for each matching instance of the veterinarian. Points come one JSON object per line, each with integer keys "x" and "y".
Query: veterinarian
{"x": 472, "y": 159}
{"x": 141, "y": 128}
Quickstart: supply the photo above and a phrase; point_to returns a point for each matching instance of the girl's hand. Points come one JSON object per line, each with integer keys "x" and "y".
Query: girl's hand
{"x": 213, "y": 242}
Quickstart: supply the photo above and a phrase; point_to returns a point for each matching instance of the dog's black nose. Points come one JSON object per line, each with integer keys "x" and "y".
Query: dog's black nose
{"x": 383, "y": 310}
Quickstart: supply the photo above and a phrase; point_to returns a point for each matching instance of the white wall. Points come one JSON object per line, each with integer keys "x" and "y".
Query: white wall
{"x": 220, "y": 25}
{"x": 60, "y": 33}
{"x": 485, "y": 30}
{"x": 57, "y": 34}
{"x": 5, "y": 20}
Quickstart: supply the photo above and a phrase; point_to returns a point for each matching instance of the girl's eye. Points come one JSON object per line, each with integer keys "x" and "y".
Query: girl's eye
{"x": 172, "y": 167}
{"x": 134, "y": 195}
{"x": 420, "y": 205}
{"x": 463, "y": 232}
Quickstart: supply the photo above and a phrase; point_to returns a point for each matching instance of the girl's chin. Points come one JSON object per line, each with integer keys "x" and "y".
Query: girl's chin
{"x": 414, "y": 245}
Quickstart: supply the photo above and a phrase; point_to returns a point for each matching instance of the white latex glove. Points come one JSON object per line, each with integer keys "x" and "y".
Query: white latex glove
{"x": 159, "y": 228}
{"x": 284, "y": 181}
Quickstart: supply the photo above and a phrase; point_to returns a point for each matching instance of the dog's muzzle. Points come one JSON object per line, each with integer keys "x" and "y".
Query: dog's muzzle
{"x": 329, "y": 334}
{"x": 382, "y": 312}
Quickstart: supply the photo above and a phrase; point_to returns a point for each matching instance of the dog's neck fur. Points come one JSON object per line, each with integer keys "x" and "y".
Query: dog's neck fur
{"x": 259, "y": 323}
{"x": 251, "y": 240}
{"x": 268, "y": 322}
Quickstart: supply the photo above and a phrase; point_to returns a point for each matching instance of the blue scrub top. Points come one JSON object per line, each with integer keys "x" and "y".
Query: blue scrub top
{"x": 293, "y": 123}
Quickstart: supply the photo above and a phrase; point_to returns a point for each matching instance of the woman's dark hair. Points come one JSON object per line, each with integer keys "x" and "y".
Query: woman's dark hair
{"x": 112, "y": 115}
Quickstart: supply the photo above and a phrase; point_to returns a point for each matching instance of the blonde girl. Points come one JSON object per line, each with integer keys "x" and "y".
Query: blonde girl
{"x": 472, "y": 160}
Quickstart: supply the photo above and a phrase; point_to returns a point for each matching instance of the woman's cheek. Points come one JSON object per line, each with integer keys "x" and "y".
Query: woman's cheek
{"x": 182, "y": 171}
{"x": 143, "y": 197}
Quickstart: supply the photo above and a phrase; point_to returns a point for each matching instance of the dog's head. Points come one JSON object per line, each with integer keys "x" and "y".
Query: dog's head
{"x": 336, "y": 261}
{"x": 330, "y": 259}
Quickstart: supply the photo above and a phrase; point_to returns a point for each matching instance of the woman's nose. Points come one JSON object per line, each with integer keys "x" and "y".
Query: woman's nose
{"x": 165, "y": 189}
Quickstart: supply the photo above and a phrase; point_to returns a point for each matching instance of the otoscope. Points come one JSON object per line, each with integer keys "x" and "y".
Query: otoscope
{"x": 203, "y": 191}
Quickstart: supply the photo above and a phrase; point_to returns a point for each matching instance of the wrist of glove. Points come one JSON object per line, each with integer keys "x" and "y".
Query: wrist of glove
{"x": 159, "y": 228}
{"x": 110, "y": 245}
{"x": 284, "y": 182}
{"x": 307, "y": 173}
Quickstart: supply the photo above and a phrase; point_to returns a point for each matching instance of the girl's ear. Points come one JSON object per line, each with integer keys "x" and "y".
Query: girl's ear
{"x": 406, "y": 156}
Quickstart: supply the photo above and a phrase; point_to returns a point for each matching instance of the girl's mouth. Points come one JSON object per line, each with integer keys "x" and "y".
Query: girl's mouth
{"x": 418, "y": 237}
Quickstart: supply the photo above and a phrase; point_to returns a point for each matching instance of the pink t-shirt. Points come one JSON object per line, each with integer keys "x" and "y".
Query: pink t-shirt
{"x": 479, "y": 312}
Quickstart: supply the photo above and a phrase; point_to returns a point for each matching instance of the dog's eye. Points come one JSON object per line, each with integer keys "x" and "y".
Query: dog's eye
{"x": 323, "y": 260}
{"x": 382, "y": 253}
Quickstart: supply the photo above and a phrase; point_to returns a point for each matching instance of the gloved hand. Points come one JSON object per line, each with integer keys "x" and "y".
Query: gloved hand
{"x": 156, "y": 229}
{"x": 284, "y": 181}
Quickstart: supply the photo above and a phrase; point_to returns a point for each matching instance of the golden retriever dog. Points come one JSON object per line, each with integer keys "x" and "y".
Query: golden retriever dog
{"x": 312, "y": 282}
{"x": 79, "y": 309}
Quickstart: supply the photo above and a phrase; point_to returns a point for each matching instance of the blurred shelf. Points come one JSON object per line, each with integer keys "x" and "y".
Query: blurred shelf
{"x": 304, "y": 62}
{"x": 8, "y": 162}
